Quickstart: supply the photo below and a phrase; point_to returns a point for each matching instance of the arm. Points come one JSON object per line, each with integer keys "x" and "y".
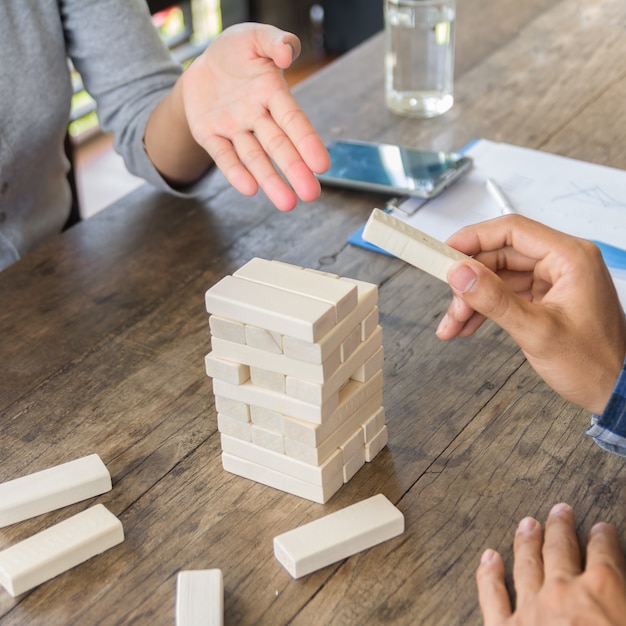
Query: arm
{"x": 552, "y": 293}
{"x": 233, "y": 106}
{"x": 550, "y": 583}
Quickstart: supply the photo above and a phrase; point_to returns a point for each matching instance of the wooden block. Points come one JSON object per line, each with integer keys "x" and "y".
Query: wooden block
{"x": 234, "y": 427}
{"x": 353, "y": 445}
{"x": 233, "y": 408}
{"x": 411, "y": 245}
{"x": 317, "y": 455}
{"x": 341, "y": 295}
{"x": 267, "y": 439}
{"x": 226, "y": 329}
{"x": 270, "y": 308}
{"x": 352, "y": 396}
{"x": 350, "y": 368}
{"x": 58, "y": 548}
{"x": 374, "y": 425}
{"x": 279, "y": 402}
{"x": 264, "y": 339}
{"x": 283, "y": 482}
{"x": 370, "y": 367}
{"x": 200, "y": 598}
{"x": 353, "y": 465}
{"x": 375, "y": 445}
{"x": 308, "y": 391}
{"x": 337, "y": 536}
{"x": 223, "y": 369}
{"x": 368, "y": 325}
{"x": 315, "y": 474}
{"x": 52, "y": 488}
{"x": 314, "y": 391}
{"x": 280, "y": 363}
{"x": 270, "y": 380}
{"x": 351, "y": 344}
{"x": 271, "y": 420}
{"x": 318, "y": 352}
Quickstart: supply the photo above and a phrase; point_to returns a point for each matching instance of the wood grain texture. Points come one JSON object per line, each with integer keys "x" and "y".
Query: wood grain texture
{"x": 103, "y": 335}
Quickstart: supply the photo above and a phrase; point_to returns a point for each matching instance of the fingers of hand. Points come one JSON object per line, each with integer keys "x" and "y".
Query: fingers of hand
{"x": 257, "y": 162}
{"x": 528, "y": 566}
{"x": 485, "y": 292}
{"x": 287, "y": 118}
{"x": 492, "y": 593}
{"x": 561, "y": 553}
{"x": 606, "y": 565}
{"x": 229, "y": 163}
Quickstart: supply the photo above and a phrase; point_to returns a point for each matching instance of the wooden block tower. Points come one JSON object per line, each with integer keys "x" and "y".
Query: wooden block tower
{"x": 296, "y": 363}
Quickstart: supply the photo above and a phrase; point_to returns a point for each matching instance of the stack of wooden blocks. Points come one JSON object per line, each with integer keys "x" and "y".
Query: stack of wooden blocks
{"x": 296, "y": 363}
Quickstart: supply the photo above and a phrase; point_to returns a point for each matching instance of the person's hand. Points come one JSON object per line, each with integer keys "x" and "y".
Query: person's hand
{"x": 551, "y": 585}
{"x": 240, "y": 110}
{"x": 552, "y": 293}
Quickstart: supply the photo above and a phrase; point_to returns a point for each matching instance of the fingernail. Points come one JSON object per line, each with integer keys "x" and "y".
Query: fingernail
{"x": 487, "y": 556}
{"x": 462, "y": 277}
{"x": 528, "y": 524}
{"x": 559, "y": 509}
{"x": 598, "y": 527}
{"x": 445, "y": 320}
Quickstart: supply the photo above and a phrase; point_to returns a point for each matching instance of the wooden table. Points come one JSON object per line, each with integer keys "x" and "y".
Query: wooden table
{"x": 103, "y": 333}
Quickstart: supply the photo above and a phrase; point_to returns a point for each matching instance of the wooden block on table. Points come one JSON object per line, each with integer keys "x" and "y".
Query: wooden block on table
{"x": 319, "y": 475}
{"x": 318, "y": 352}
{"x": 58, "y": 548}
{"x": 281, "y": 481}
{"x": 376, "y": 444}
{"x": 280, "y": 363}
{"x": 410, "y": 244}
{"x": 292, "y": 278}
{"x": 200, "y": 598}
{"x": 317, "y": 455}
{"x": 52, "y": 488}
{"x": 270, "y": 308}
{"x": 352, "y": 396}
{"x": 267, "y": 439}
{"x": 227, "y": 329}
{"x": 339, "y": 535}
{"x": 263, "y": 339}
{"x": 223, "y": 369}
{"x": 279, "y": 402}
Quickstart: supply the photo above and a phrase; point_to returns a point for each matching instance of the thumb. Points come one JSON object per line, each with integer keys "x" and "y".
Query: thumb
{"x": 279, "y": 45}
{"x": 484, "y": 291}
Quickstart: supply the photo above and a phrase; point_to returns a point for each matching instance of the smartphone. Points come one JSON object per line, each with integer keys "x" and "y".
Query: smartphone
{"x": 393, "y": 169}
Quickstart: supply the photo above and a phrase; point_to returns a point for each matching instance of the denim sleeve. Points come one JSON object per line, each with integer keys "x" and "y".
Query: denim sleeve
{"x": 609, "y": 429}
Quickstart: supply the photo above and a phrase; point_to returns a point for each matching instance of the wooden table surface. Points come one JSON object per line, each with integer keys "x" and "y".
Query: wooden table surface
{"x": 103, "y": 333}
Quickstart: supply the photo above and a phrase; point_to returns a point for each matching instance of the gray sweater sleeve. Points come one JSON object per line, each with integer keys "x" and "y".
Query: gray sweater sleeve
{"x": 125, "y": 67}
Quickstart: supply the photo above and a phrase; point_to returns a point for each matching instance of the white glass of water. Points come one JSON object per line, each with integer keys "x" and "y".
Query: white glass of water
{"x": 419, "y": 56}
